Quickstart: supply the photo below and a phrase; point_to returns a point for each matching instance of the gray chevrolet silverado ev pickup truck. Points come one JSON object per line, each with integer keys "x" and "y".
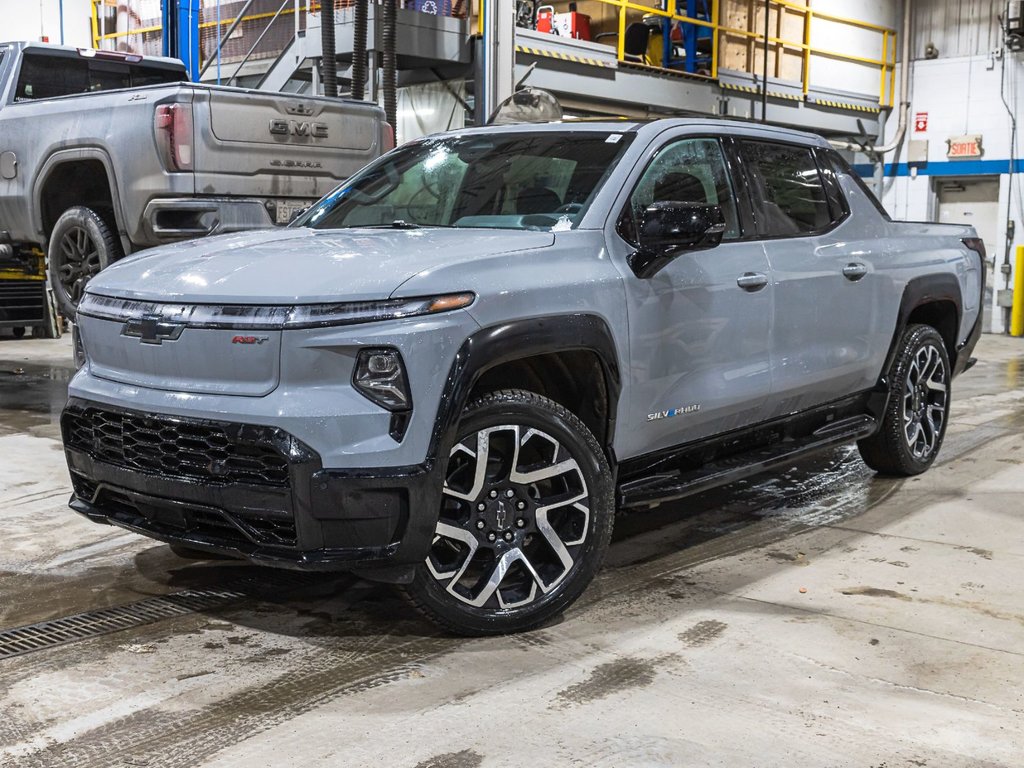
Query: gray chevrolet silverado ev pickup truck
{"x": 103, "y": 154}
{"x": 453, "y": 368}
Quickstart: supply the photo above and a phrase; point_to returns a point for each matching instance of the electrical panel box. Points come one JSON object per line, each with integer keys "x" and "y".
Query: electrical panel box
{"x": 917, "y": 151}
{"x": 1013, "y": 25}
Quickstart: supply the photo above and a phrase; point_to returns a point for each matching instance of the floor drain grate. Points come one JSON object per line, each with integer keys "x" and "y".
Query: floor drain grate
{"x": 82, "y": 626}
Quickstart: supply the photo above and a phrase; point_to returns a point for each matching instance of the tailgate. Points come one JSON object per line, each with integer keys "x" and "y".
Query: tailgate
{"x": 279, "y": 145}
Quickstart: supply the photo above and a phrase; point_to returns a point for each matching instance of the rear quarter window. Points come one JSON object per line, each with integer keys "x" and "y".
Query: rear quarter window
{"x": 842, "y": 168}
{"x": 789, "y": 196}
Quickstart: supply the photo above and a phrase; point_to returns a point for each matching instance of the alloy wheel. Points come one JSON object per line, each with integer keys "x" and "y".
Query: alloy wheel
{"x": 80, "y": 260}
{"x": 515, "y": 516}
{"x": 925, "y": 399}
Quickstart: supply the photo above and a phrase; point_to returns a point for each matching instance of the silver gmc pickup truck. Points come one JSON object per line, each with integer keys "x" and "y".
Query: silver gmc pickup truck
{"x": 102, "y": 154}
{"x": 452, "y": 370}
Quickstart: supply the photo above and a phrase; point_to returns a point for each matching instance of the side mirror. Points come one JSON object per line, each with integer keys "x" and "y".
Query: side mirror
{"x": 668, "y": 229}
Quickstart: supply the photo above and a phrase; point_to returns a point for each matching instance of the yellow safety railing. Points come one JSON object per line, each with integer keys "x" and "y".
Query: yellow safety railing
{"x": 885, "y": 61}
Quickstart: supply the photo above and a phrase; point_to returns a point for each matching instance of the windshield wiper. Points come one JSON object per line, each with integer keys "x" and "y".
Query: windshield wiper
{"x": 396, "y": 224}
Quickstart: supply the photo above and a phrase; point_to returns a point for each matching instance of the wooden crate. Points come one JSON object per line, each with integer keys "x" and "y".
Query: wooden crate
{"x": 745, "y": 54}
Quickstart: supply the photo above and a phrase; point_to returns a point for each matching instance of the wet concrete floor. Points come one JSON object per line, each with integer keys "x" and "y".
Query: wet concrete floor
{"x": 817, "y": 616}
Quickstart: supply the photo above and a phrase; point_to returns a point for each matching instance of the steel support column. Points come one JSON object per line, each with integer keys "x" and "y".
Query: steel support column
{"x": 497, "y": 56}
{"x": 181, "y": 33}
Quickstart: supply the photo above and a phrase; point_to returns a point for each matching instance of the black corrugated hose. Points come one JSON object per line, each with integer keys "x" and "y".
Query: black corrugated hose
{"x": 390, "y": 76}
{"x": 329, "y": 65}
{"x": 359, "y": 50}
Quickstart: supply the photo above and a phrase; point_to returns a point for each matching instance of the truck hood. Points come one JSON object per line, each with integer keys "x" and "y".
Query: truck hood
{"x": 301, "y": 265}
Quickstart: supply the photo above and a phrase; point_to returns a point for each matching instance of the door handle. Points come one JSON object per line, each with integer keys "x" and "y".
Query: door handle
{"x": 854, "y": 271}
{"x": 752, "y": 281}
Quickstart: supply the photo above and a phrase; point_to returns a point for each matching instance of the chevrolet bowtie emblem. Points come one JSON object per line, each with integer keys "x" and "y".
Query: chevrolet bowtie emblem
{"x": 152, "y": 329}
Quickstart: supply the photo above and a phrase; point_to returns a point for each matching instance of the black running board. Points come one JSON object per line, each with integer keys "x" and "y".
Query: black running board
{"x": 653, "y": 490}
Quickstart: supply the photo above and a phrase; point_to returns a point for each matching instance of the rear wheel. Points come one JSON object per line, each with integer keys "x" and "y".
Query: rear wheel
{"x": 914, "y": 423}
{"x": 526, "y": 517}
{"x": 81, "y": 244}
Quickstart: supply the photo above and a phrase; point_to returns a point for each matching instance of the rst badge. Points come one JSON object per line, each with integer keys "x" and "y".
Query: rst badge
{"x": 249, "y": 339}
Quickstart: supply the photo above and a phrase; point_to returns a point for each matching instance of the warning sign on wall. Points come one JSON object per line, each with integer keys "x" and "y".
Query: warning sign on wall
{"x": 920, "y": 122}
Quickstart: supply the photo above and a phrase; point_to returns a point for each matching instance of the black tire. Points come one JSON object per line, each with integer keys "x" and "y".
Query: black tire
{"x": 81, "y": 244}
{"x": 18, "y": 331}
{"x": 915, "y": 419}
{"x": 547, "y": 496}
{"x": 187, "y": 553}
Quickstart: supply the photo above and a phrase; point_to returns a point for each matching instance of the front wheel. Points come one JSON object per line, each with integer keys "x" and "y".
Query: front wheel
{"x": 81, "y": 244}
{"x": 914, "y": 423}
{"x": 526, "y": 516}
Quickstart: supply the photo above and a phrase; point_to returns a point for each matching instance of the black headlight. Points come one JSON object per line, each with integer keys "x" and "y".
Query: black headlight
{"x": 380, "y": 376}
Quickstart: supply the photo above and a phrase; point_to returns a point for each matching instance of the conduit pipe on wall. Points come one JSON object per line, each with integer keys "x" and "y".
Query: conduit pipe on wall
{"x": 329, "y": 62}
{"x": 389, "y": 78}
{"x": 359, "y": 50}
{"x": 901, "y": 126}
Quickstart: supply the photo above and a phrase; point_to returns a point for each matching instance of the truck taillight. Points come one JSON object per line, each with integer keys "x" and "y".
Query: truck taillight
{"x": 173, "y": 124}
{"x": 977, "y": 245}
{"x": 388, "y": 137}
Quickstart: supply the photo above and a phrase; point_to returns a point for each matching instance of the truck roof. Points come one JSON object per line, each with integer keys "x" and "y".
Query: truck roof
{"x": 68, "y": 50}
{"x": 652, "y": 127}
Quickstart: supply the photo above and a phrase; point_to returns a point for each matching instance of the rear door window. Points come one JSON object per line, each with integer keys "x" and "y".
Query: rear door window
{"x": 789, "y": 196}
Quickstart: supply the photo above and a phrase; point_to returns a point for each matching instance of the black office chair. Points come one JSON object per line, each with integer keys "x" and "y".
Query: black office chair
{"x": 634, "y": 46}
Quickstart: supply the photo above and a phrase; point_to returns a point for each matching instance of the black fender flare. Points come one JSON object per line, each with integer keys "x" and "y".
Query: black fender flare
{"x": 62, "y": 157}
{"x": 515, "y": 340}
{"x": 918, "y": 291}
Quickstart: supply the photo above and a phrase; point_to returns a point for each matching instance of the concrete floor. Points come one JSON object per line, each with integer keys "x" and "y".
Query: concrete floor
{"x": 817, "y": 617}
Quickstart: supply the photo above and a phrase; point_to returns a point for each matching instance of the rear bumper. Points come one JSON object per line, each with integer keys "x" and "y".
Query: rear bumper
{"x": 251, "y": 491}
{"x": 169, "y": 219}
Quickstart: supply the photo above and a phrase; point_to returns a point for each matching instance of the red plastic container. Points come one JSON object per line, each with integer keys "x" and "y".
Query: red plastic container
{"x": 573, "y": 24}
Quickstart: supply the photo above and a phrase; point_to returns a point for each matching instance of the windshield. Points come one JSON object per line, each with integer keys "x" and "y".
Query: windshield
{"x": 539, "y": 181}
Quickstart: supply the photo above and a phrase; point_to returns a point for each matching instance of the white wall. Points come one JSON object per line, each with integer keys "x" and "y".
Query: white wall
{"x": 852, "y": 77}
{"x": 962, "y": 91}
{"x": 35, "y": 19}
{"x": 957, "y": 27}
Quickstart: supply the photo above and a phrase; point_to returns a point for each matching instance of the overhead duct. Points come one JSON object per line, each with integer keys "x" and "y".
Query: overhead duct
{"x": 329, "y": 61}
{"x": 389, "y": 80}
{"x": 359, "y": 49}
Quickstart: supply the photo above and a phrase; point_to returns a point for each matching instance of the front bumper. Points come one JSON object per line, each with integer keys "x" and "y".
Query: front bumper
{"x": 244, "y": 490}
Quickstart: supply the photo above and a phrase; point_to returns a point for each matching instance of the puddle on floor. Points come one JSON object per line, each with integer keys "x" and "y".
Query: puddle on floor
{"x": 32, "y": 396}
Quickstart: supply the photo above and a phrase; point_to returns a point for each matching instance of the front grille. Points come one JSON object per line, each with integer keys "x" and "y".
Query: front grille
{"x": 208, "y": 451}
